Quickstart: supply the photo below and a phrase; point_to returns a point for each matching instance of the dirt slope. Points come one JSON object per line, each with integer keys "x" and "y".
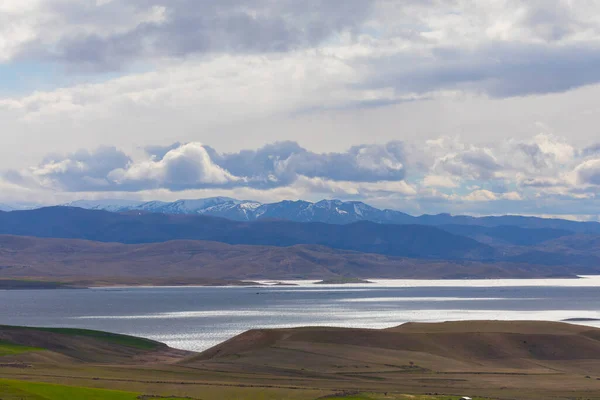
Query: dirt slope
{"x": 464, "y": 346}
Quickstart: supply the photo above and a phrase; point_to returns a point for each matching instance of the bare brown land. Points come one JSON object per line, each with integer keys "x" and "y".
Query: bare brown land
{"x": 484, "y": 359}
{"x": 197, "y": 262}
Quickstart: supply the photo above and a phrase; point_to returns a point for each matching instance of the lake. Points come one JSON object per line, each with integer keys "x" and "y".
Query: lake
{"x": 196, "y": 318}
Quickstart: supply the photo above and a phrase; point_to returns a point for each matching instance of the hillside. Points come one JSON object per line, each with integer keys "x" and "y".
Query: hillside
{"x": 188, "y": 262}
{"x": 78, "y": 345}
{"x": 442, "y": 361}
{"x": 441, "y": 347}
{"x": 510, "y": 360}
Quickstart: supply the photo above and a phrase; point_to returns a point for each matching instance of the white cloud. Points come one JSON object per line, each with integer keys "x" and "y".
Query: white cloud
{"x": 419, "y": 103}
{"x": 440, "y": 181}
{"x": 544, "y": 171}
{"x": 193, "y": 166}
{"x": 187, "y": 166}
{"x": 481, "y": 195}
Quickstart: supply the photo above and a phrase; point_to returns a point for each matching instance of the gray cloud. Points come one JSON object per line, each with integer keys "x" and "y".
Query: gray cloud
{"x": 498, "y": 69}
{"x": 79, "y": 171}
{"x": 516, "y": 49}
{"x": 177, "y": 28}
{"x": 474, "y": 163}
{"x": 445, "y": 175}
{"x": 279, "y": 164}
{"x": 366, "y": 163}
{"x": 591, "y": 150}
{"x": 589, "y": 172}
{"x": 194, "y": 166}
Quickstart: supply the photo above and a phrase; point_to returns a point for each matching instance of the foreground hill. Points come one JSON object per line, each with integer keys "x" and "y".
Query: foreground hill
{"x": 78, "y": 345}
{"x": 415, "y": 241}
{"x": 514, "y": 360}
{"x": 483, "y": 359}
{"x": 181, "y": 262}
{"x": 443, "y": 347}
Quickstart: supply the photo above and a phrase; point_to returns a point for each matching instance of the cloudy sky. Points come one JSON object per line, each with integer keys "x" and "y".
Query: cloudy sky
{"x": 426, "y": 106}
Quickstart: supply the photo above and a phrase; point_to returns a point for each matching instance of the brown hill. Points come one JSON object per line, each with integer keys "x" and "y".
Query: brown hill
{"x": 71, "y": 260}
{"x": 476, "y": 346}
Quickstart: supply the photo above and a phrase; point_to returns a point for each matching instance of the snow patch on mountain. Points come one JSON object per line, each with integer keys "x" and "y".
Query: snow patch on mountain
{"x": 328, "y": 211}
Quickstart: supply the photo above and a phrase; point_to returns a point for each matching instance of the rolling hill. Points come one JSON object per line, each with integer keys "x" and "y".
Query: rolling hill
{"x": 189, "y": 262}
{"x": 60, "y": 345}
{"x": 441, "y": 347}
{"x": 509, "y": 360}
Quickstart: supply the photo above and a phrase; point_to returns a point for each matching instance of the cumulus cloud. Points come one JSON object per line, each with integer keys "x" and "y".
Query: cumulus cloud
{"x": 238, "y": 74}
{"x": 184, "y": 167}
{"x": 544, "y": 171}
{"x": 280, "y": 163}
{"x": 79, "y": 171}
{"x": 194, "y": 166}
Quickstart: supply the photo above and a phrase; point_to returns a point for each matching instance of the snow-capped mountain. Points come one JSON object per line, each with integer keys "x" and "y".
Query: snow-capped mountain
{"x": 6, "y": 207}
{"x": 18, "y": 206}
{"x": 112, "y": 205}
{"x": 328, "y": 211}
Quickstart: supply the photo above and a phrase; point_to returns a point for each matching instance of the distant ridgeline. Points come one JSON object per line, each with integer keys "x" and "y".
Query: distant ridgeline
{"x": 327, "y": 211}
{"x": 454, "y": 246}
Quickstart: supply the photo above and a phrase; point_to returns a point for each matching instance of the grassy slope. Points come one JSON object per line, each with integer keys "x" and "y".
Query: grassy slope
{"x": 37, "y": 391}
{"x": 123, "y": 340}
{"x": 11, "y": 349}
{"x": 24, "y": 390}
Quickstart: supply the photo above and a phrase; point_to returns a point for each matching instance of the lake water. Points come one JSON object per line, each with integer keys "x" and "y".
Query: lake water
{"x": 196, "y": 318}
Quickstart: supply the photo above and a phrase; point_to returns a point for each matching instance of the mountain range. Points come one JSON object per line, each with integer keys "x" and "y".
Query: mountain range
{"x": 470, "y": 243}
{"x": 192, "y": 238}
{"x": 417, "y": 241}
{"x": 326, "y": 211}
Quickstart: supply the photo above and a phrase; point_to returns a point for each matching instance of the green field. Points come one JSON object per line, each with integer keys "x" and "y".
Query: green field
{"x": 17, "y": 390}
{"x": 10, "y": 349}
{"x": 25, "y": 390}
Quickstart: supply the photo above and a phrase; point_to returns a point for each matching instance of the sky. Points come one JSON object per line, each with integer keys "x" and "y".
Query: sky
{"x": 424, "y": 106}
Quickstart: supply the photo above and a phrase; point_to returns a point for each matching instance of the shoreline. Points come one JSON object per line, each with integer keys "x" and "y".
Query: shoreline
{"x": 12, "y": 284}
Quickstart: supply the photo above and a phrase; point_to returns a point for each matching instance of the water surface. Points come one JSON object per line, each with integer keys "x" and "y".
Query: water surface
{"x": 195, "y": 318}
